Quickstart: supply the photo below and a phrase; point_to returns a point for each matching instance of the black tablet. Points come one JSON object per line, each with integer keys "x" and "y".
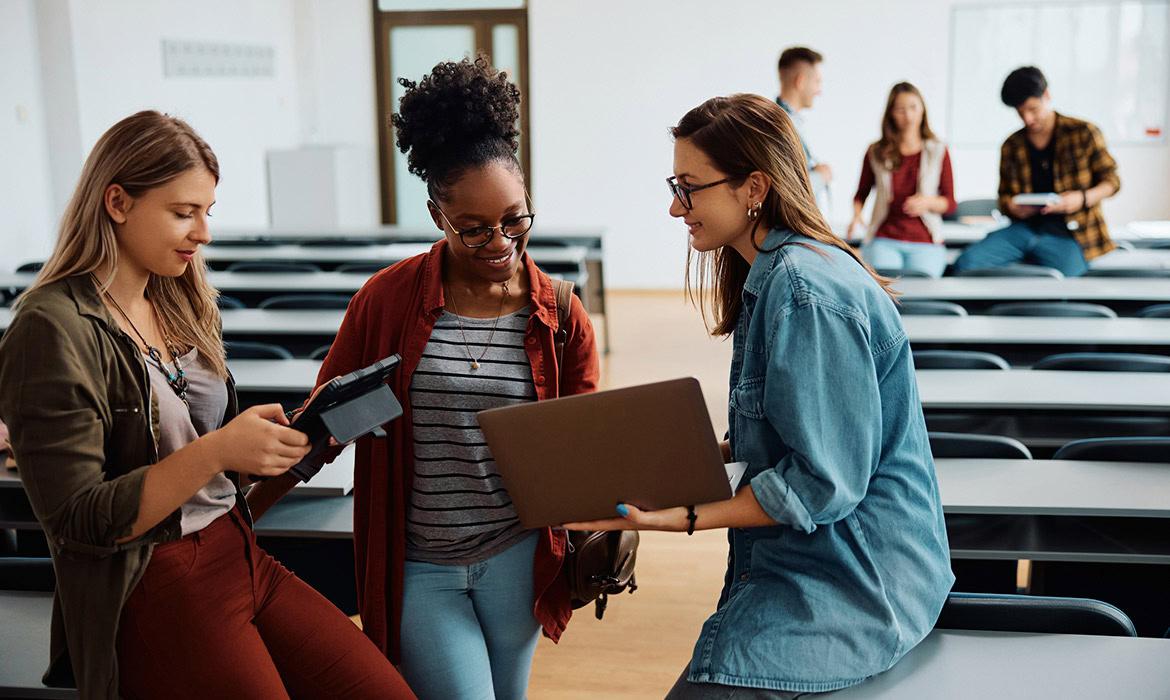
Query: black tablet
{"x": 347, "y": 408}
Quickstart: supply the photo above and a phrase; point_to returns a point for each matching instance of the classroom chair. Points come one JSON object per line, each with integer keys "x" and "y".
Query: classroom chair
{"x": 369, "y": 267}
{"x": 1128, "y": 272}
{"x": 1118, "y": 449}
{"x": 1033, "y": 614}
{"x": 320, "y": 353}
{"x": 900, "y": 272}
{"x": 974, "y": 446}
{"x": 930, "y": 307}
{"x": 226, "y": 302}
{"x": 1155, "y": 311}
{"x": 1105, "y": 362}
{"x": 273, "y": 266}
{"x": 30, "y": 267}
{"x": 958, "y": 359}
{"x": 1065, "y": 309}
{"x": 247, "y": 350}
{"x": 307, "y": 301}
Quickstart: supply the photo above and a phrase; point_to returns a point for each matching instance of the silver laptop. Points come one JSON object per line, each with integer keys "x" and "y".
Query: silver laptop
{"x": 576, "y": 458}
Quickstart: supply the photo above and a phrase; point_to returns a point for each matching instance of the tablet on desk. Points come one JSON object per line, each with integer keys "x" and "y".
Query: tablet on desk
{"x": 345, "y": 409}
{"x": 1036, "y": 199}
{"x": 575, "y": 458}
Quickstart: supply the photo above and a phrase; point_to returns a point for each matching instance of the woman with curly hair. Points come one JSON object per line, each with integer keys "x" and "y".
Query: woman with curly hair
{"x": 450, "y": 585}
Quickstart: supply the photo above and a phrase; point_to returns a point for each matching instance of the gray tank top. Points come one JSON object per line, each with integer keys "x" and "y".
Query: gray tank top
{"x": 179, "y": 426}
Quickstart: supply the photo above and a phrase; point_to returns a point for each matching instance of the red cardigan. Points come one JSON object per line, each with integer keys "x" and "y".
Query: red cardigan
{"x": 394, "y": 312}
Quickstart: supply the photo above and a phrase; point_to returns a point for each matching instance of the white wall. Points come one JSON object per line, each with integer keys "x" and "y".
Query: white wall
{"x": 119, "y": 71}
{"x": 78, "y": 66}
{"x": 25, "y": 198}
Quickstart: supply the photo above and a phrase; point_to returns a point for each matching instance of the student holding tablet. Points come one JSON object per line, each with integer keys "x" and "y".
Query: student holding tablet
{"x": 450, "y": 584}
{"x": 124, "y": 423}
{"x": 1064, "y": 164}
{"x": 839, "y": 560}
{"x": 909, "y": 171}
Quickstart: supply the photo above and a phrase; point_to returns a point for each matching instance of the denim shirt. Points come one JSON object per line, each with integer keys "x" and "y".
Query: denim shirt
{"x": 824, "y": 408}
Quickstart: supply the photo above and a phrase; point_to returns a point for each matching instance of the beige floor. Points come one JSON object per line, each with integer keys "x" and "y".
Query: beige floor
{"x": 640, "y": 647}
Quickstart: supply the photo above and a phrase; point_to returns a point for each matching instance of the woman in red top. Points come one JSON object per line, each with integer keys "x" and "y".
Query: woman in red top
{"x": 450, "y": 586}
{"x": 909, "y": 170}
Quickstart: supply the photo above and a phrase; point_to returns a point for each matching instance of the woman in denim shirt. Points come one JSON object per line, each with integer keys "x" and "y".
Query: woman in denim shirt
{"x": 839, "y": 560}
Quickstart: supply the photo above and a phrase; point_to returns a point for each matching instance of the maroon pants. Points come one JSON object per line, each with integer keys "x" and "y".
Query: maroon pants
{"x": 214, "y": 616}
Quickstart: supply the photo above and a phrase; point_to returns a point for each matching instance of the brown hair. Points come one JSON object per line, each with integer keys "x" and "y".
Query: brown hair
{"x": 792, "y": 57}
{"x": 141, "y": 152}
{"x": 886, "y": 149}
{"x": 742, "y": 134}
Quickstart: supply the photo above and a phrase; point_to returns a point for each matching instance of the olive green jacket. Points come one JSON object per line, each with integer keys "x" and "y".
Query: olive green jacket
{"x": 76, "y": 396}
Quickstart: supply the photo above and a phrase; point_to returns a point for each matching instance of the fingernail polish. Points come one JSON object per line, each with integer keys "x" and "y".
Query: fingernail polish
{"x": 623, "y": 510}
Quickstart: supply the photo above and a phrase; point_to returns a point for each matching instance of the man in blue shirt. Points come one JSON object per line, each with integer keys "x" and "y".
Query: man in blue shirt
{"x": 800, "y": 83}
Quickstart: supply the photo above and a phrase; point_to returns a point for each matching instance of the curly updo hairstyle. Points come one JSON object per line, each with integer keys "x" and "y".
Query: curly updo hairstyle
{"x": 461, "y": 115}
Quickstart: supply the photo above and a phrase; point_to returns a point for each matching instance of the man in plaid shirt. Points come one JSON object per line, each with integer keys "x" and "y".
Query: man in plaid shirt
{"x": 1052, "y": 153}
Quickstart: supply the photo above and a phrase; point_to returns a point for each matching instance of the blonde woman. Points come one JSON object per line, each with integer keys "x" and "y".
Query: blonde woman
{"x": 124, "y": 422}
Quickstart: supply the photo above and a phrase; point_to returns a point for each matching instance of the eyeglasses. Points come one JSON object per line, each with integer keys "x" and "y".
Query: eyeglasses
{"x": 479, "y": 236}
{"x": 683, "y": 192}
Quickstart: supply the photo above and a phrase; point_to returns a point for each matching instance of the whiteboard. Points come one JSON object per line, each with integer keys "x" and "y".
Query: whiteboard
{"x": 1107, "y": 62}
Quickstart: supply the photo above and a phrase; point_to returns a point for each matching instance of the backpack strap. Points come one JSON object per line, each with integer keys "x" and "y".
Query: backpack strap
{"x": 564, "y": 297}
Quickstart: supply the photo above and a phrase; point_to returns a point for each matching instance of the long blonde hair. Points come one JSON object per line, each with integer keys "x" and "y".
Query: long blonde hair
{"x": 742, "y": 134}
{"x": 141, "y": 152}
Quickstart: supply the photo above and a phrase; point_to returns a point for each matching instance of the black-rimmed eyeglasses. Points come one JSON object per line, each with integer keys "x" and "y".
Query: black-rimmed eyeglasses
{"x": 479, "y": 236}
{"x": 683, "y": 192}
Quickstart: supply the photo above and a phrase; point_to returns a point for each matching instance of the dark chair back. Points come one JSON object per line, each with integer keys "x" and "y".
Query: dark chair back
{"x": 306, "y": 301}
{"x": 1155, "y": 311}
{"x": 274, "y": 266}
{"x": 320, "y": 353}
{"x": 930, "y": 307}
{"x": 1127, "y": 449}
{"x": 1105, "y": 362}
{"x": 1035, "y": 614}
{"x": 364, "y": 267}
{"x": 225, "y": 302}
{"x": 1065, "y": 309}
{"x": 1016, "y": 270}
{"x": 247, "y": 350}
{"x": 970, "y": 446}
{"x": 30, "y": 267}
{"x": 1128, "y": 272}
{"x": 900, "y": 272}
{"x": 27, "y": 574}
{"x": 958, "y": 359}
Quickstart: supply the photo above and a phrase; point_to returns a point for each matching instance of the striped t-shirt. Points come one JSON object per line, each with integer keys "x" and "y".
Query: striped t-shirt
{"x": 459, "y": 511}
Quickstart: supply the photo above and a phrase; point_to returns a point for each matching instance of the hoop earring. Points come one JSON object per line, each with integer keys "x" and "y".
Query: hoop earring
{"x": 753, "y": 211}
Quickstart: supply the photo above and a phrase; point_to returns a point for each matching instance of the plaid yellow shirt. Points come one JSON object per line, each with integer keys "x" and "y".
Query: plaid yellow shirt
{"x": 1080, "y": 161}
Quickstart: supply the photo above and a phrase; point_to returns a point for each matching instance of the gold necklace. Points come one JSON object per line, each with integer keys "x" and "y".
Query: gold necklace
{"x": 459, "y": 320}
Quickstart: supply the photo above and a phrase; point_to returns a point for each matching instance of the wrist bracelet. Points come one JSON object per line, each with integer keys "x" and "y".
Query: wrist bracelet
{"x": 691, "y": 518}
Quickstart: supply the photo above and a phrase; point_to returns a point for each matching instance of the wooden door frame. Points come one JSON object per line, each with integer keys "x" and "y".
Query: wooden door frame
{"x": 482, "y": 21}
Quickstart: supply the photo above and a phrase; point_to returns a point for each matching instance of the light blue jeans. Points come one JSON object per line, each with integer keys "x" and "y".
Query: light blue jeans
{"x": 1023, "y": 242}
{"x": 890, "y": 254}
{"x": 468, "y": 632}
